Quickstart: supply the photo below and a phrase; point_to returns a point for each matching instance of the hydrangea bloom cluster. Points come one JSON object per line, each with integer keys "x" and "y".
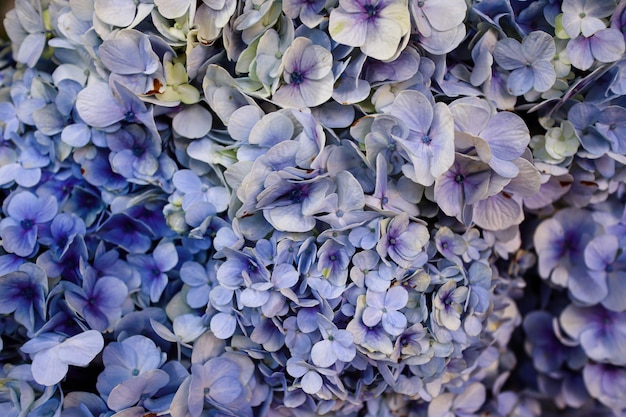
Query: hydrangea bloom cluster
{"x": 302, "y": 208}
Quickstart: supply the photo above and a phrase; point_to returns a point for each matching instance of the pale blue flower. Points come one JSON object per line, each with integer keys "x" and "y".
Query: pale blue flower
{"x": 530, "y": 62}
{"x": 585, "y": 17}
{"x": 429, "y": 142}
{"x": 336, "y": 345}
{"x": 307, "y": 75}
{"x": 383, "y": 307}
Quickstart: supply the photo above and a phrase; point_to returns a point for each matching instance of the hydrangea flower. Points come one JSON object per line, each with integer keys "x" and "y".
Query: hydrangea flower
{"x": 429, "y": 143}
{"x": 23, "y": 294}
{"x": 53, "y": 353}
{"x": 600, "y": 332}
{"x": 377, "y": 27}
{"x": 221, "y": 382}
{"x": 529, "y": 62}
{"x": 153, "y": 269}
{"x": 307, "y": 75}
{"x": 581, "y": 16}
{"x": 27, "y": 213}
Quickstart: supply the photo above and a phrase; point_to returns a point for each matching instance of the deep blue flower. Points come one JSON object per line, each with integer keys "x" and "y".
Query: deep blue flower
{"x": 99, "y": 301}
{"x": 153, "y": 269}
{"x": 26, "y": 214}
{"x": 130, "y": 234}
{"x": 23, "y": 293}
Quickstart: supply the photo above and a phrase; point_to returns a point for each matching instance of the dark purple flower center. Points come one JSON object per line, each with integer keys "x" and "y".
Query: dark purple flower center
{"x": 129, "y": 116}
{"x": 426, "y": 139}
{"x": 459, "y": 178}
{"x": 92, "y": 301}
{"x": 27, "y": 224}
{"x": 297, "y": 194}
{"x": 138, "y": 151}
{"x": 156, "y": 272}
{"x": 296, "y": 77}
{"x": 371, "y": 10}
{"x": 28, "y": 293}
{"x": 135, "y": 372}
{"x": 421, "y": 3}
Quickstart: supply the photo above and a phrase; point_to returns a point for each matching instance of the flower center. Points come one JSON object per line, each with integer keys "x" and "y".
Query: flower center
{"x": 459, "y": 178}
{"x": 296, "y": 78}
{"x": 426, "y": 139}
{"x": 27, "y": 224}
{"x": 28, "y": 293}
{"x": 129, "y": 116}
{"x": 371, "y": 10}
{"x": 137, "y": 151}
